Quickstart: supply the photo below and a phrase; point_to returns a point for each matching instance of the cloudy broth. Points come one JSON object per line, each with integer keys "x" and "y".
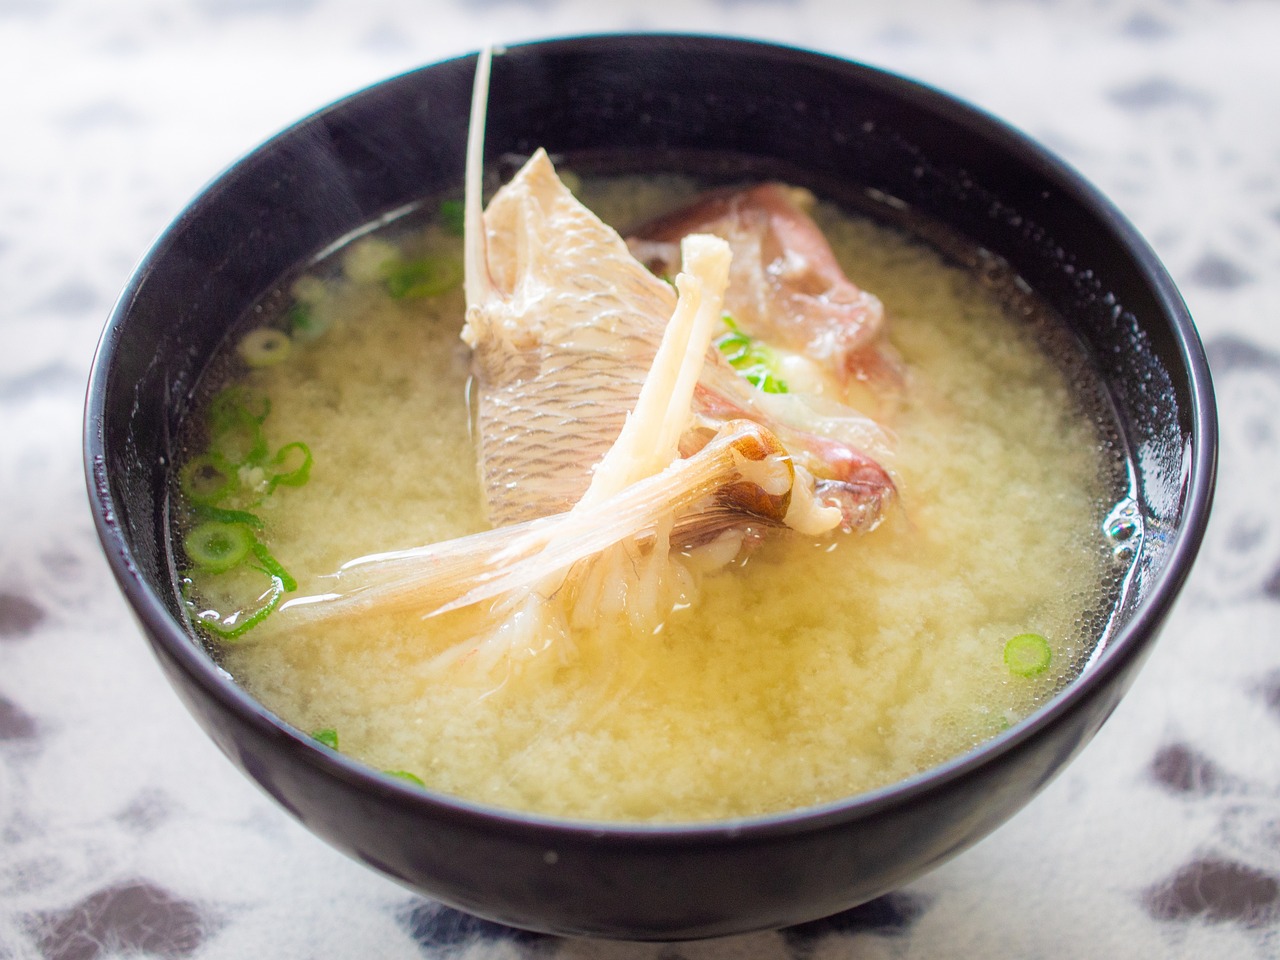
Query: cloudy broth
{"x": 811, "y": 671}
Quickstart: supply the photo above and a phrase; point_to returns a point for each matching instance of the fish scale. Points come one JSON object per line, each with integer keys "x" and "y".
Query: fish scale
{"x": 561, "y": 344}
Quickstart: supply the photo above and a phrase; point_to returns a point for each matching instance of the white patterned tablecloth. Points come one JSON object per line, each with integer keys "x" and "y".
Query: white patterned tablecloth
{"x": 123, "y": 833}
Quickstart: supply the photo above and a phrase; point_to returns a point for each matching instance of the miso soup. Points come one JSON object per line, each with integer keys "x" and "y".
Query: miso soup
{"x": 337, "y": 425}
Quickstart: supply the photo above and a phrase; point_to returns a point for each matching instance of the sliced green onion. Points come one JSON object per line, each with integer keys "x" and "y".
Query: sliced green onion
{"x": 235, "y": 630}
{"x": 264, "y": 347}
{"x": 453, "y": 217}
{"x": 309, "y": 289}
{"x": 271, "y": 567}
{"x": 239, "y": 439}
{"x": 735, "y": 347}
{"x": 301, "y": 318}
{"x": 206, "y": 479}
{"x": 231, "y": 627}
{"x": 235, "y": 425}
{"x": 305, "y": 321}
{"x": 237, "y": 458}
{"x": 236, "y": 403}
{"x": 217, "y": 546}
{"x": 290, "y": 466}
{"x": 328, "y": 736}
{"x": 753, "y": 360}
{"x": 1028, "y": 654}
{"x": 367, "y": 260}
{"x": 405, "y": 775}
{"x": 428, "y": 277}
{"x": 209, "y": 512}
{"x": 764, "y": 380}
{"x": 242, "y": 445}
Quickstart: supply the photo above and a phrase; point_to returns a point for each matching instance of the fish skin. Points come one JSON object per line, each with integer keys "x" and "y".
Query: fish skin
{"x": 561, "y": 344}
{"x": 786, "y": 286}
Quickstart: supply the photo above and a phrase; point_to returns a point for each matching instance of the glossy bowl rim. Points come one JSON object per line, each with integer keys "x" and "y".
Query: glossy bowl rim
{"x": 1129, "y": 641}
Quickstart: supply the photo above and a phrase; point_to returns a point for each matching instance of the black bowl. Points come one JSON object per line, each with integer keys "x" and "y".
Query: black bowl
{"x": 651, "y": 100}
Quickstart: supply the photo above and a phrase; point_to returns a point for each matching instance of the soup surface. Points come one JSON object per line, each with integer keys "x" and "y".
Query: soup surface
{"x": 810, "y": 671}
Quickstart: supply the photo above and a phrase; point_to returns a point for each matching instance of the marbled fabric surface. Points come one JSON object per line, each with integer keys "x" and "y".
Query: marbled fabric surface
{"x": 124, "y": 833}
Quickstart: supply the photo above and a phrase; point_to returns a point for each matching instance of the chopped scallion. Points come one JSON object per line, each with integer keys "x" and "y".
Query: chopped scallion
{"x": 233, "y": 628}
{"x": 301, "y": 318}
{"x": 416, "y": 279}
{"x": 217, "y": 546}
{"x": 241, "y": 442}
{"x": 234, "y": 472}
{"x": 264, "y": 346}
{"x": 1028, "y": 654}
{"x": 309, "y": 288}
{"x": 328, "y": 736}
{"x": 764, "y": 380}
{"x": 405, "y": 775}
{"x": 753, "y": 360}
{"x": 290, "y": 466}
{"x": 235, "y": 425}
{"x": 453, "y": 217}
{"x": 271, "y": 566}
{"x": 234, "y": 404}
{"x": 367, "y": 259}
{"x": 736, "y": 347}
{"x": 206, "y": 479}
{"x": 224, "y": 515}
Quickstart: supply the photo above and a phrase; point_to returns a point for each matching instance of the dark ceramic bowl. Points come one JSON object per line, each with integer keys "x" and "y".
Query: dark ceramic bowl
{"x": 651, "y": 100}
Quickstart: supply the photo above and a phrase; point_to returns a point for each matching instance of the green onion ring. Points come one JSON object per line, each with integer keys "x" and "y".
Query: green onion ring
{"x": 295, "y": 476}
{"x": 209, "y": 512}
{"x": 416, "y": 279}
{"x": 237, "y": 631}
{"x": 239, "y": 440}
{"x": 264, "y": 347}
{"x": 1028, "y": 655}
{"x": 216, "y": 546}
{"x": 233, "y": 404}
{"x": 206, "y": 479}
{"x": 271, "y": 567}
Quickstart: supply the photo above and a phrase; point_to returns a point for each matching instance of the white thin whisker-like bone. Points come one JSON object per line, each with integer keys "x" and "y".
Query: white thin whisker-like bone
{"x": 476, "y": 279}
